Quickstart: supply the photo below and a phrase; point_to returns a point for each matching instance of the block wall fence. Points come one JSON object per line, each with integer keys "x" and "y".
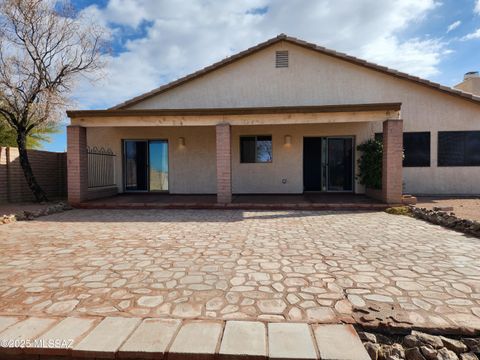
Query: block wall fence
{"x": 49, "y": 168}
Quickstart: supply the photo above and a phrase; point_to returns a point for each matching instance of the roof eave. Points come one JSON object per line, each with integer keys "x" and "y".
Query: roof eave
{"x": 237, "y": 111}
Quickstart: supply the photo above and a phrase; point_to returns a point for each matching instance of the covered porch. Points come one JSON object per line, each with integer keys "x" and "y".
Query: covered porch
{"x": 200, "y": 156}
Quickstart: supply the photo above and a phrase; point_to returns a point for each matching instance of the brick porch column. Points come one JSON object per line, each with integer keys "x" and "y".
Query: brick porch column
{"x": 224, "y": 163}
{"x": 392, "y": 179}
{"x": 77, "y": 169}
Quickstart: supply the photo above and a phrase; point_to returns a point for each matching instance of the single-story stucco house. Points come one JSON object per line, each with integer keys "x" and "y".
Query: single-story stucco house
{"x": 283, "y": 117}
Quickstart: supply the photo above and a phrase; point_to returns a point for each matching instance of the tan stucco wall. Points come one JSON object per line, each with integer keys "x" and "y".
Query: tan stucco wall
{"x": 287, "y": 160}
{"x": 316, "y": 79}
{"x": 192, "y": 168}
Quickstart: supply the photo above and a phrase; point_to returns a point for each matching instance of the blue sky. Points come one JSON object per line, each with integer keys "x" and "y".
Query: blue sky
{"x": 156, "y": 41}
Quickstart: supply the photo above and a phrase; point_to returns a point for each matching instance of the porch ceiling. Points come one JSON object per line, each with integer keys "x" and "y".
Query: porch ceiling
{"x": 238, "y": 116}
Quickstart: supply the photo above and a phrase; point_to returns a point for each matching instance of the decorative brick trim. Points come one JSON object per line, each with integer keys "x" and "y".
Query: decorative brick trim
{"x": 224, "y": 163}
{"x": 77, "y": 166}
{"x": 392, "y": 178}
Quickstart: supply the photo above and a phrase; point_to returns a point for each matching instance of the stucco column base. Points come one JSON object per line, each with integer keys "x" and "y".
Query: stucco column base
{"x": 224, "y": 163}
{"x": 392, "y": 177}
{"x": 77, "y": 164}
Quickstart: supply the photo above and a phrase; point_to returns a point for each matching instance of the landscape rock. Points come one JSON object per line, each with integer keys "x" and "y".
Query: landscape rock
{"x": 414, "y": 354}
{"x": 7, "y": 219}
{"x": 443, "y": 208}
{"x": 31, "y": 215}
{"x": 387, "y": 352}
{"x": 445, "y": 354}
{"x": 468, "y": 356}
{"x": 473, "y": 344}
{"x": 455, "y": 345}
{"x": 426, "y": 339}
{"x": 411, "y": 341}
{"x": 428, "y": 352}
{"x": 417, "y": 339}
{"x": 365, "y": 336}
{"x": 419, "y": 346}
{"x": 372, "y": 350}
{"x": 382, "y": 339}
{"x": 449, "y": 220}
{"x": 396, "y": 350}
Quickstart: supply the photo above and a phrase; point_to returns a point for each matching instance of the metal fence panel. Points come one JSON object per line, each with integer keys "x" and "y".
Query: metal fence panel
{"x": 101, "y": 167}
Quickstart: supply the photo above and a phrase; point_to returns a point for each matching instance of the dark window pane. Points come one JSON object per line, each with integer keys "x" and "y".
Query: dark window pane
{"x": 459, "y": 148}
{"x": 247, "y": 149}
{"x": 416, "y": 146}
{"x": 472, "y": 148}
{"x": 451, "y": 148}
{"x": 264, "y": 149}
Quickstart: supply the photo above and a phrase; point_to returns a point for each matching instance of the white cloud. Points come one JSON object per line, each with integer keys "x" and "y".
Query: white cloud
{"x": 185, "y": 36}
{"x": 418, "y": 56}
{"x": 472, "y": 36}
{"x": 454, "y": 25}
{"x": 476, "y": 10}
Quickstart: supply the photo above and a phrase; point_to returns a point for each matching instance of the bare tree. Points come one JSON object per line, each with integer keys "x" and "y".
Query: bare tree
{"x": 44, "y": 48}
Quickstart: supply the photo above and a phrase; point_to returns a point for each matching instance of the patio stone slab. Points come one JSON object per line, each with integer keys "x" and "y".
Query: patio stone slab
{"x": 289, "y": 266}
{"x": 242, "y": 339}
{"x": 150, "y": 339}
{"x": 106, "y": 338}
{"x": 339, "y": 342}
{"x": 290, "y": 341}
{"x": 196, "y": 340}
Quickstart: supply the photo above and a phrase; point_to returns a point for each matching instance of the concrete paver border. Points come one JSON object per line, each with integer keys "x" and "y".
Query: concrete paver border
{"x": 132, "y": 338}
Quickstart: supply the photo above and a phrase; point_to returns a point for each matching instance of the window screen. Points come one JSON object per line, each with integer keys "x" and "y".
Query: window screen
{"x": 459, "y": 148}
{"x": 255, "y": 149}
{"x": 416, "y": 148}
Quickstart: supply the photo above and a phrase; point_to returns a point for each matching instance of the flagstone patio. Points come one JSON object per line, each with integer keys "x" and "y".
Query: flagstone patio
{"x": 296, "y": 266}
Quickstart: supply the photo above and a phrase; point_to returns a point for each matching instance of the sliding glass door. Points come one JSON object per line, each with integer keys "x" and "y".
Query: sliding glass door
{"x": 328, "y": 164}
{"x": 339, "y": 164}
{"x": 136, "y": 155}
{"x": 158, "y": 154}
{"x": 146, "y": 165}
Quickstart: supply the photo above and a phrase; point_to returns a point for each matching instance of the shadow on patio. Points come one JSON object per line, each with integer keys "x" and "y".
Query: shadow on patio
{"x": 191, "y": 208}
{"x": 307, "y": 201}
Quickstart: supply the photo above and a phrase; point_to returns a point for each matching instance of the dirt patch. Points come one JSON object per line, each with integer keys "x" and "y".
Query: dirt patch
{"x": 465, "y": 208}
